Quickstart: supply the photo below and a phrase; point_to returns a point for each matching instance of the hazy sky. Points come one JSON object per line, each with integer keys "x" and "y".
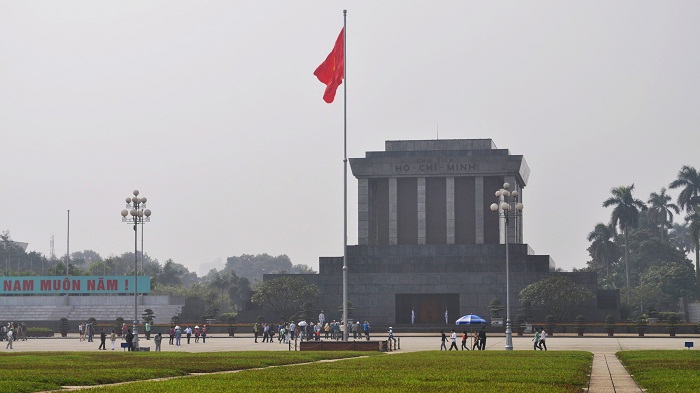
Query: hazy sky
{"x": 211, "y": 110}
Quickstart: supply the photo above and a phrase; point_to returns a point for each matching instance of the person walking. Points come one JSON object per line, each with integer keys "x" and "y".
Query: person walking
{"x": 172, "y": 334}
{"x": 475, "y": 338}
{"x": 103, "y": 339}
{"x": 482, "y": 338}
{"x": 204, "y": 334}
{"x": 443, "y": 341}
{"x": 197, "y": 332}
{"x": 188, "y": 332}
{"x": 453, "y": 337}
{"x": 9, "y": 339}
{"x": 178, "y": 335}
{"x": 148, "y": 330}
{"x": 354, "y": 330}
{"x": 255, "y": 332}
{"x": 292, "y": 330}
{"x": 157, "y": 339}
{"x": 391, "y": 336}
{"x": 536, "y": 339}
{"x": 129, "y": 340}
{"x": 543, "y": 337}
{"x": 112, "y": 339}
{"x": 464, "y": 341}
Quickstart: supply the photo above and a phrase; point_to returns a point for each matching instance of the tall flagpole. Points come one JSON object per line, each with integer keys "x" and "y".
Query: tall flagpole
{"x": 345, "y": 178}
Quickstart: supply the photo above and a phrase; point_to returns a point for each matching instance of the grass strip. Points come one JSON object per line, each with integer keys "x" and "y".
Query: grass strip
{"x": 430, "y": 371}
{"x": 32, "y": 371}
{"x": 664, "y": 371}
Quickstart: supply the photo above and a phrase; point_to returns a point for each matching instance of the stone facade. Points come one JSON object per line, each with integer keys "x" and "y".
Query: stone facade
{"x": 427, "y": 238}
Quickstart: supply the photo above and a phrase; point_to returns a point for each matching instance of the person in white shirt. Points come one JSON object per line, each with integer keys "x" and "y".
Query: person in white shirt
{"x": 9, "y": 339}
{"x": 453, "y": 337}
{"x": 322, "y": 318}
{"x": 188, "y": 332}
{"x": 543, "y": 336}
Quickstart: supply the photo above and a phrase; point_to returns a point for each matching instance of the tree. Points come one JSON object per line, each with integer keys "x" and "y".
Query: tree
{"x": 557, "y": 295}
{"x": 84, "y": 258}
{"x": 284, "y": 296}
{"x": 673, "y": 279}
{"x": 603, "y": 250}
{"x": 660, "y": 214}
{"x": 647, "y": 250}
{"x": 239, "y": 291}
{"x": 680, "y": 237}
{"x": 693, "y": 220}
{"x": 625, "y": 214}
{"x": 171, "y": 273}
{"x": 496, "y": 308}
{"x": 220, "y": 281}
{"x": 253, "y": 267}
{"x": 148, "y": 315}
{"x": 351, "y": 310}
{"x": 689, "y": 180}
{"x": 526, "y": 309}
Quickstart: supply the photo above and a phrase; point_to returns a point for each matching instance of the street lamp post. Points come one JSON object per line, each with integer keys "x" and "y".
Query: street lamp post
{"x": 508, "y": 208}
{"x": 136, "y": 213}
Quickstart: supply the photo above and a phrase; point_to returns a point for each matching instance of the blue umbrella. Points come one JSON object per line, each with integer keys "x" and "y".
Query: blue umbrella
{"x": 471, "y": 319}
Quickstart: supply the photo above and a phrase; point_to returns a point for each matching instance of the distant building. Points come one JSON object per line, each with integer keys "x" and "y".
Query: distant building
{"x": 428, "y": 241}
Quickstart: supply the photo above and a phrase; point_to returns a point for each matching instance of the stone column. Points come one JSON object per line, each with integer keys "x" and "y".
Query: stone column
{"x": 450, "y": 207}
{"x": 479, "y": 208}
{"x": 421, "y": 210}
{"x": 363, "y": 211}
{"x": 393, "y": 212}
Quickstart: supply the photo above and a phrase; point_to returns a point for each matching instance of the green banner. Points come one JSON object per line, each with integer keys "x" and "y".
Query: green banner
{"x": 73, "y": 285}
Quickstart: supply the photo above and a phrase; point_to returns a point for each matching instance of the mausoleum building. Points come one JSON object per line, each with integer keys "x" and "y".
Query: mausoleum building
{"x": 428, "y": 240}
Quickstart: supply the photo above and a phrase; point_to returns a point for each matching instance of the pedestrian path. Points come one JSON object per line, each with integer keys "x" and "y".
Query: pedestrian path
{"x": 610, "y": 376}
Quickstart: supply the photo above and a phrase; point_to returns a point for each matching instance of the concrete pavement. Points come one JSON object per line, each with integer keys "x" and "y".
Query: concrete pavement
{"x": 607, "y": 375}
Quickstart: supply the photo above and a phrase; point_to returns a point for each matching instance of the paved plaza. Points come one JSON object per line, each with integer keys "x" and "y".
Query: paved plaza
{"x": 608, "y": 374}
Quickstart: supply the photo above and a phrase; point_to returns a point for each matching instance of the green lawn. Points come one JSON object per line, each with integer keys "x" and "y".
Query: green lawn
{"x": 664, "y": 371}
{"x": 430, "y": 371}
{"x": 31, "y": 372}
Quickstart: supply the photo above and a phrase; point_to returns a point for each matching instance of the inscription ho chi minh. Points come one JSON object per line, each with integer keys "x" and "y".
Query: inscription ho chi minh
{"x": 435, "y": 165}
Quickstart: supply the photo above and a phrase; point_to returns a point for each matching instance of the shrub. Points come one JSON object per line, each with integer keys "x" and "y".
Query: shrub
{"x": 580, "y": 320}
{"x": 664, "y": 315}
{"x": 63, "y": 326}
{"x": 672, "y": 324}
{"x": 118, "y": 326}
{"x": 609, "y": 322}
{"x": 641, "y": 325}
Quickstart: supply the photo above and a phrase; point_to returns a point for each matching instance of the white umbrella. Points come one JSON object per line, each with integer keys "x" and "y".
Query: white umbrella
{"x": 471, "y": 319}
{"x": 302, "y": 323}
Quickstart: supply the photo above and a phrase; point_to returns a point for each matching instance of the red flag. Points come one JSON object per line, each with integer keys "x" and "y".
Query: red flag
{"x": 332, "y": 70}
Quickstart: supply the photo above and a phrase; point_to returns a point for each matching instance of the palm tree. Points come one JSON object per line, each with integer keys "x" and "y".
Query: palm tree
{"x": 689, "y": 200}
{"x": 602, "y": 248}
{"x": 693, "y": 220}
{"x": 689, "y": 180}
{"x": 660, "y": 212}
{"x": 625, "y": 214}
{"x": 221, "y": 281}
{"x": 681, "y": 238}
